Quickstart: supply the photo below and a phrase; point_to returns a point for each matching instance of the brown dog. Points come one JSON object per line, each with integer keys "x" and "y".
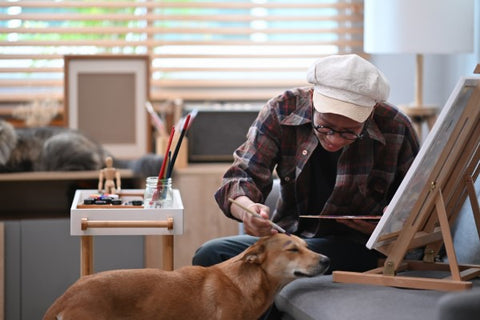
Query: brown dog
{"x": 242, "y": 287}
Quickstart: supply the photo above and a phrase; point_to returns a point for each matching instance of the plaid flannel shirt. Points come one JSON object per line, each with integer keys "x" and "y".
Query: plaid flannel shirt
{"x": 281, "y": 138}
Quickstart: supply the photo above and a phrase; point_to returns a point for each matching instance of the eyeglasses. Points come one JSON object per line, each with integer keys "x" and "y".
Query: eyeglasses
{"x": 347, "y": 135}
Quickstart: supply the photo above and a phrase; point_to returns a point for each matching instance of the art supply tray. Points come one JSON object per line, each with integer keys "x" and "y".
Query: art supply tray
{"x": 124, "y": 218}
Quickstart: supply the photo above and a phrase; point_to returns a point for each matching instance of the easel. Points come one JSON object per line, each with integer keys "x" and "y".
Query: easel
{"x": 435, "y": 210}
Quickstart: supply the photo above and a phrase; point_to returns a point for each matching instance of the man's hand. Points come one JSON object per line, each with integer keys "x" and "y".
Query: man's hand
{"x": 253, "y": 226}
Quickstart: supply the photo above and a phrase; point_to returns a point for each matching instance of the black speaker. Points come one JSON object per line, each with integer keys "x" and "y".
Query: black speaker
{"x": 216, "y": 133}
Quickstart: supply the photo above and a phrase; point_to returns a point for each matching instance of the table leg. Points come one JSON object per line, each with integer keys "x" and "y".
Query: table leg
{"x": 167, "y": 259}
{"x": 86, "y": 255}
{"x": 159, "y": 252}
{"x": 2, "y": 270}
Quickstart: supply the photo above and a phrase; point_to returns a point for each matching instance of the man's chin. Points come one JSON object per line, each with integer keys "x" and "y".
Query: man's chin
{"x": 331, "y": 147}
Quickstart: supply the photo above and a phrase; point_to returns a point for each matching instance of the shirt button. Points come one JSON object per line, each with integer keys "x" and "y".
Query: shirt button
{"x": 304, "y": 152}
{"x": 287, "y": 179}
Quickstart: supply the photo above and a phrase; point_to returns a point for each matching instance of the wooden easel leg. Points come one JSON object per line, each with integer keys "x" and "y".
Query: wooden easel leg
{"x": 86, "y": 255}
{"x": 447, "y": 236}
{"x": 474, "y": 202}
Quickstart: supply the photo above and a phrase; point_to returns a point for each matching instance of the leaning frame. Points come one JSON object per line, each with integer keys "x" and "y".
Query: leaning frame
{"x": 105, "y": 96}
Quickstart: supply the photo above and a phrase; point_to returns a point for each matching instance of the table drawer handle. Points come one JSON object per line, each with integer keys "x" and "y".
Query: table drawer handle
{"x": 85, "y": 224}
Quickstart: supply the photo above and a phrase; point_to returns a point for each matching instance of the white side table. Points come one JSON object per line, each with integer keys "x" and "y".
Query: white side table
{"x": 88, "y": 221}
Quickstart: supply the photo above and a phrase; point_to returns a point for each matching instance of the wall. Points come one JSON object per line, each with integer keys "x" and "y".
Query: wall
{"x": 441, "y": 72}
{"x": 42, "y": 260}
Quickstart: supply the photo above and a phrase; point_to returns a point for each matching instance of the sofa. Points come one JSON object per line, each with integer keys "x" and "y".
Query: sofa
{"x": 322, "y": 298}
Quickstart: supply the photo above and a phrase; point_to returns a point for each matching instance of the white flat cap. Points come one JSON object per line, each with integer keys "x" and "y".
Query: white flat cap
{"x": 347, "y": 85}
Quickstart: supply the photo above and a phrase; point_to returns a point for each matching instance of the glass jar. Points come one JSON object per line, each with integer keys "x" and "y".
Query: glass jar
{"x": 158, "y": 194}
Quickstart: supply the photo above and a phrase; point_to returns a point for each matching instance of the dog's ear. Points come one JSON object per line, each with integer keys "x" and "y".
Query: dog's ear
{"x": 255, "y": 254}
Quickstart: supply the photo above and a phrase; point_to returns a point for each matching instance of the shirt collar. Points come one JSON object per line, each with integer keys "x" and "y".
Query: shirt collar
{"x": 303, "y": 110}
{"x": 374, "y": 132}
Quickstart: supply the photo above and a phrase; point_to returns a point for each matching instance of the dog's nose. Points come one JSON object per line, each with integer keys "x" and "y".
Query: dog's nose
{"x": 324, "y": 262}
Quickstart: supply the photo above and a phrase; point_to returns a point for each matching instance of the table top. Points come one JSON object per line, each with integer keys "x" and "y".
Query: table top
{"x": 58, "y": 175}
{"x": 116, "y": 217}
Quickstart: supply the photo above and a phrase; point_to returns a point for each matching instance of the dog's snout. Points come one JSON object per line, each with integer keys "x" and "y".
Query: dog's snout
{"x": 324, "y": 262}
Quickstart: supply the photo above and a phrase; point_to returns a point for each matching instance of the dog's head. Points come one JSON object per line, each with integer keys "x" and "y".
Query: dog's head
{"x": 286, "y": 258}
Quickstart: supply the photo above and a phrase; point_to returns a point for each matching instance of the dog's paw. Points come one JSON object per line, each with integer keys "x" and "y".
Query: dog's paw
{"x": 8, "y": 141}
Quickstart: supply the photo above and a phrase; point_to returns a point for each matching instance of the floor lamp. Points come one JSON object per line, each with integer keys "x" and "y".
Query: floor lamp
{"x": 418, "y": 27}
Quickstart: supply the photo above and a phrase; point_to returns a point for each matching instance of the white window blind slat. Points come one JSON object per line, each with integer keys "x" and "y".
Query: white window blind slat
{"x": 199, "y": 49}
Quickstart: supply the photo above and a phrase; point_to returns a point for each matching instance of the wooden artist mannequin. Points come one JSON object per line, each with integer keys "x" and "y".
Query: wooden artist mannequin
{"x": 109, "y": 174}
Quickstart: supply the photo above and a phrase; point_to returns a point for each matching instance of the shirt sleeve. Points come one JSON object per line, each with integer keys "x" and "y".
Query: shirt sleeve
{"x": 251, "y": 172}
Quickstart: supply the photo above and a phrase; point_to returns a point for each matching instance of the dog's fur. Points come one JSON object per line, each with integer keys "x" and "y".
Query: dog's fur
{"x": 60, "y": 149}
{"x": 242, "y": 287}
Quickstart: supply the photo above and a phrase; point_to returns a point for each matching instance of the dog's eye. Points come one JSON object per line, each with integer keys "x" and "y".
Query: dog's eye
{"x": 294, "y": 249}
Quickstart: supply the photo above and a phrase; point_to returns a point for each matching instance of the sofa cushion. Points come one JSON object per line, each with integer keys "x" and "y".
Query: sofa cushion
{"x": 460, "y": 305}
{"x": 321, "y": 298}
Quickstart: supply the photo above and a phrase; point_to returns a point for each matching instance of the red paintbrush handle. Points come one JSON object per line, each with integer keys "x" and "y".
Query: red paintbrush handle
{"x": 164, "y": 163}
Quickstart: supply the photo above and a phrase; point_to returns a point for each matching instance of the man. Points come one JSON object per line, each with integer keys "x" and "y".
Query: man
{"x": 338, "y": 149}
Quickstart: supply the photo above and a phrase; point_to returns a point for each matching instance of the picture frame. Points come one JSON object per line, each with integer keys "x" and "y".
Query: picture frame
{"x": 105, "y": 97}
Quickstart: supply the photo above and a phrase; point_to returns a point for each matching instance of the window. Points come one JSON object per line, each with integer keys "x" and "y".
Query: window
{"x": 200, "y": 50}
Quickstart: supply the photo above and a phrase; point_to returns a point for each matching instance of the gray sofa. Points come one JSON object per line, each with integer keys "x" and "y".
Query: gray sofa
{"x": 321, "y": 298}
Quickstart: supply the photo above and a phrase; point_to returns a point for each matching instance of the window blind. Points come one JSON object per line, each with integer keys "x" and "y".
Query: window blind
{"x": 199, "y": 50}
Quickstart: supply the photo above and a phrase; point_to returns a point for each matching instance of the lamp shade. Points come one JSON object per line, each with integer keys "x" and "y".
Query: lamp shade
{"x": 418, "y": 26}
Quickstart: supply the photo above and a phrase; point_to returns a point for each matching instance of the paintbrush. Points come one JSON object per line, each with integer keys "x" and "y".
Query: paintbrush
{"x": 177, "y": 147}
{"x": 253, "y": 213}
{"x": 164, "y": 165}
{"x": 156, "y": 120}
{"x": 165, "y": 158}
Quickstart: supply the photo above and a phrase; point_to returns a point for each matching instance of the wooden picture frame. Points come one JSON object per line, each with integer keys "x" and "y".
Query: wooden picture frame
{"x": 105, "y": 96}
{"x": 429, "y": 200}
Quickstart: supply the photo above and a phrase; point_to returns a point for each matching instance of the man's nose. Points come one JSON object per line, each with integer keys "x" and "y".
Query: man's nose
{"x": 336, "y": 139}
